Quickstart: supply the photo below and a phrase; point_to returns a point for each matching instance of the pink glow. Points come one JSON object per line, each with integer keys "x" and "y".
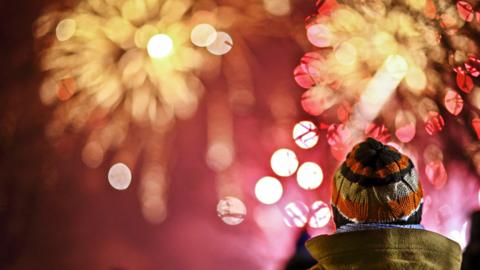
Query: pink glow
{"x": 406, "y": 133}
{"x": 444, "y": 209}
{"x": 92, "y": 225}
{"x": 436, "y": 173}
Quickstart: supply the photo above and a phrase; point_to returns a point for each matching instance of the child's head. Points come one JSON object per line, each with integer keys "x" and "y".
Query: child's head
{"x": 376, "y": 184}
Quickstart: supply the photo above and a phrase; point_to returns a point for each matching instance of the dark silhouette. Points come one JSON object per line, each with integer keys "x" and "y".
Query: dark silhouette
{"x": 471, "y": 256}
{"x": 301, "y": 260}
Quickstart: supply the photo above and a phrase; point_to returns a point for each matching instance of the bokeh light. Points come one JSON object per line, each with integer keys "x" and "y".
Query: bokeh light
{"x": 119, "y": 176}
{"x": 309, "y": 175}
{"x": 66, "y": 87}
{"x": 396, "y": 65}
{"x": 222, "y": 44}
{"x": 416, "y": 79}
{"x": 436, "y": 173}
{"x": 302, "y": 77}
{"x": 295, "y": 214}
{"x": 346, "y": 54}
{"x": 314, "y": 65}
{"x": 406, "y": 133}
{"x": 231, "y": 210}
{"x": 277, "y": 7}
{"x": 320, "y": 215}
{"x": 66, "y": 29}
{"x": 318, "y": 99}
{"x": 284, "y": 162}
{"x": 268, "y": 190}
{"x": 313, "y": 71}
{"x": 464, "y": 81}
{"x": 153, "y": 197}
{"x": 434, "y": 168}
{"x": 338, "y": 134}
{"x": 465, "y": 10}
{"x": 305, "y": 134}
{"x": 432, "y": 152}
{"x": 203, "y": 35}
{"x": 319, "y": 35}
{"x": 434, "y": 123}
{"x": 160, "y": 46}
{"x": 453, "y": 102}
{"x": 405, "y": 124}
{"x": 220, "y": 155}
{"x": 92, "y": 154}
{"x": 378, "y": 132}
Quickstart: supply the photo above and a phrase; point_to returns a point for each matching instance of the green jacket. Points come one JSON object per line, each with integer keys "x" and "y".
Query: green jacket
{"x": 393, "y": 248}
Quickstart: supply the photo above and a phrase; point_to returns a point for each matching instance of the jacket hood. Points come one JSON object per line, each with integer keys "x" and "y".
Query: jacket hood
{"x": 393, "y": 248}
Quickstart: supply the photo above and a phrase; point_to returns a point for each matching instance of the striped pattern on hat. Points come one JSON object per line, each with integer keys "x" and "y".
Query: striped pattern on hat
{"x": 376, "y": 183}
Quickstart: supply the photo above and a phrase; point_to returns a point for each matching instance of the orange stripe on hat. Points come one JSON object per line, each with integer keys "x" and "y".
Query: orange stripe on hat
{"x": 374, "y": 211}
{"x": 358, "y": 203}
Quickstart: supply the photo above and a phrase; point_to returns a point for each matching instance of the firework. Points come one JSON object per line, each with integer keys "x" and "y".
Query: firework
{"x": 127, "y": 57}
{"x": 435, "y": 41}
{"x": 113, "y": 66}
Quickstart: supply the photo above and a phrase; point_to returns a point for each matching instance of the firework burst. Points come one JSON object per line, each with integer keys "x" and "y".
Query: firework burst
{"x": 428, "y": 46}
{"x": 129, "y": 57}
{"x": 113, "y": 66}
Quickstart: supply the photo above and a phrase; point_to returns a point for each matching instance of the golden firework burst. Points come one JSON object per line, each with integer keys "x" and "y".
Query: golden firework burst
{"x": 112, "y": 66}
{"x": 132, "y": 57}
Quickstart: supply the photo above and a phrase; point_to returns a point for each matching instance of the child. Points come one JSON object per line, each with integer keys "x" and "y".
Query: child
{"x": 377, "y": 208}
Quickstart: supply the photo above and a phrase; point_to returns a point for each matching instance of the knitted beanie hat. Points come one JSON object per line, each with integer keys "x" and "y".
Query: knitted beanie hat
{"x": 376, "y": 184}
